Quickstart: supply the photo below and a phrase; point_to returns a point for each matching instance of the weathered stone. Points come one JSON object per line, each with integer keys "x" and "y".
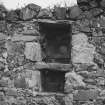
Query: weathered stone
{"x": 83, "y": 25}
{"x": 60, "y": 13}
{"x": 53, "y": 66}
{"x": 82, "y": 1}
{"x": 86, "y": 95}
{"x": 12, "y": 92}
{"x": 11, "y": 101}
{"x": 82, "y": 51}
{"x": 2, "y": 66}
{"x": 102, "y": 3}
{"x": 93, "y": 3}
{"x": 16, "y": 60}
{"x": 20, "y": 83}
{"x": 3, "y": 12}
{"x": 25, "y": 38}
{"x": 21, "y": 101}
{"x": 3, "y": 103}
{"x": 90, "y": 81}
{"x": 3, "y": 26}
{"x": 73, "y": 80}
{"x": 29, "y": 12}
{"x": 68, "y": 99}
{"x": 85, "y": 15}
{"x": 3, "y": 37}
{"x": 12, "y": 16}
{"x": 75, "y": 11}
{"x": 3, "y": 83}
{"x": 75, "y": 28}
{"x": 101, "y": 21}
{"x": 30, "y": 32}
{"x": 100, "y": 81}
{"x": 83, "y": 73}
{"x": 85, "y": 29}
{"x": 45, "y": 14}
{"x": 33, "y": 80}
{"x": 33, "y": 51}
{"x": 15, "y": 48}
{"x": 2, "y": 97}
{"x": 96, "y": 11}
{"x": 102, "y": 93}
{"x": 99, "y": 60}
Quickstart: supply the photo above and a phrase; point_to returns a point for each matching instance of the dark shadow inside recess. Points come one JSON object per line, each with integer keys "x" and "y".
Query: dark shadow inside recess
{"x": 52, "y": 81}
{"x": 56, "y": 42}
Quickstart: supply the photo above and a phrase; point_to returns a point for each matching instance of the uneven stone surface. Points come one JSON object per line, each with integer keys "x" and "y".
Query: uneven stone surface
{"x": 82, "y": 51}
{"x": 33, "y": 51}
{"x": 21, "y": 57}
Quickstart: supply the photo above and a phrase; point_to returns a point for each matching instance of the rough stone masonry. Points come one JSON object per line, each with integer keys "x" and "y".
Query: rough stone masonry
{"x": 21, "y": 55}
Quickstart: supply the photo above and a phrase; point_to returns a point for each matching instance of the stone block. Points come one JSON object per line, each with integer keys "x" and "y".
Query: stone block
{"x": 3, "y": 36}
{"x": 102, "y": 3}
{"x": 12, "y": 92}
{"x": 20, "y": 83}
{"x": 75, "y": 11}
{"x": 45, "y": 14}
{"x": 3, "y": 83}
{"x": 2, "y": 97}
{"x": 82, "y": 50}
{"x": 15, "y": 48}
{"x": 86, "y": 95}
{"x": 96, "y": 11}
{"x": 60, "y": 13}
{"x": 3, "y": 26}
{"x": 25, "y": 38}
{"x": 33, "y": 51}
{"x": 73, "y": 80}
{"x": 33, "y": 80}
{"x": 29, "y": 12}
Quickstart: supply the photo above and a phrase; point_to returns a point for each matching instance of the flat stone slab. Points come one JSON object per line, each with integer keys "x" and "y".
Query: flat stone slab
{"x": 86, "y": 95}
{"x": 54, "y": 66}
{"x": 25, "y": 38}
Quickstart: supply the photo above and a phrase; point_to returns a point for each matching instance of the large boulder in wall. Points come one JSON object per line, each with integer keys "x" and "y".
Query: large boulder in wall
{"x": 82, "y": 50}
{"x": 74, "y": 12}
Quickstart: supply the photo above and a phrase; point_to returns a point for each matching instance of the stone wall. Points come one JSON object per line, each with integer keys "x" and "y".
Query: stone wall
{"x": 21, "y": 55}
{"x": 87, "y": 80}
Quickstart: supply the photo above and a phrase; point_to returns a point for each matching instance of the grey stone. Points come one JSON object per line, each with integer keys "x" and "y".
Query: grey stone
{"x": 102, "y": 3}
{"x": 96, "y": 11}
{"x": 60, "y": 13}
{"x": 90, "y": 81}
{"x": 3, "y": 36}
{"x": 75, "y": 11}
{"x": 86, "y": 95}
{"x": 73, "y": 80}
{"x": 2, "y": 66}
{"x": 3, "y": 83}
{"x": 12, "y": 92}
{"x": 29, "y": 12}
{"x": 2, "y": 97}
{"x": 53, "y": 66}
{"x": 3, "y": 103}
{"x": 33, "y": 51}
{"x": 68, "y": 99}
{"x": 25, "y": 38}
{"x": 33, "y": 80}
{"x": 93, "y": 4}
{"x": 20, "y": 83}
{"x": 12, "y": 16}
{"x": 100, "y": 81}
{"x": 3, "y": 26}
{"x": 45, "y": 14}
{"x": 82, "y": 50}
{"x": 15, "y": 48}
